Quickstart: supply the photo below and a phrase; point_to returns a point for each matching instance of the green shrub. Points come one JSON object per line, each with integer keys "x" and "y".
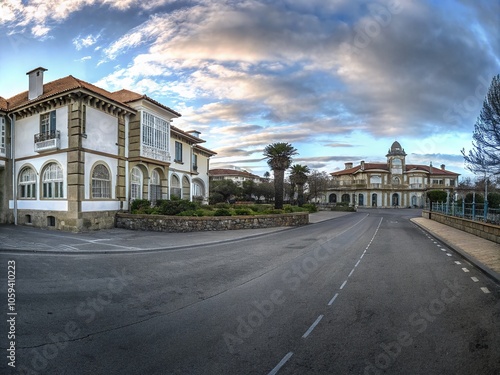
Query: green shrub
{"x": 259, "y": 208}
{"x": 273, "y": 211}
{"x": 243, "y": 211}
{"x": 198, "y": 212}
{"x": 223, "y": 212}
{"x": 222, "y": 205}
{"x": 139, "y": 205}
{"x": 311, "y": 207}
{"x": 174, "y": 207}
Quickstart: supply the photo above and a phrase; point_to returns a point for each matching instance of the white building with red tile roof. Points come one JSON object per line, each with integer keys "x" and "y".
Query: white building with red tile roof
{"x": 237, "y": 175}
{"x": 390, "y": 184}
{"x": 73, "y": 154}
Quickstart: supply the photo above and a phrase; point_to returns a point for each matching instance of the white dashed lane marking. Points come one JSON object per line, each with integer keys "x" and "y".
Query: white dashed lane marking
{"x": 475, "y": 279}
{"x": 485, "y": 290}
{"x": 465, "y": 269}
{"x": 275, "y": 370}
{"x": 333, "y": 299}
{"x": 308, "y": 332}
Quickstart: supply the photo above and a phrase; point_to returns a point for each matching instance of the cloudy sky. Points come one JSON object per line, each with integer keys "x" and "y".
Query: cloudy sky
{"x": 339, "y": 79}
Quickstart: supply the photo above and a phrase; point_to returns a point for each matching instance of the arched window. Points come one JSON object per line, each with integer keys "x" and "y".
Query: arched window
{"x": 198, "y": 190}
{"x": 27, "y": 183}
{"x": 374, "y": 200}
{"x": 154, "y": 187}
{"x": 101, "y": 182}
{"x": 175, "y": 187}
{"x": 395, "y": 199}
{"x": 135, "y": 183}
{"x": 332, "y": 198}
{"x": 361, "y": 200}
{"x": 186, "y": 188}
{"x": 346, "y": 198}
{"x": 52, "y": 182}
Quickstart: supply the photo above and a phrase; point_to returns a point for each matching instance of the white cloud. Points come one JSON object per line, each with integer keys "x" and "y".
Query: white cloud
{"x": 84, "y": 42}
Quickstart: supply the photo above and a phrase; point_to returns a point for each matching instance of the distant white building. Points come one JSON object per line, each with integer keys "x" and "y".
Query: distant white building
{"x": 236, "y": 175}
{"x": 73, "y": 154}
{"x": 390, "y": 184}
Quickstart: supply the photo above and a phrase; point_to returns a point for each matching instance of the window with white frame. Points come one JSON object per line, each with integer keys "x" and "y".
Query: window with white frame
{"x": 155, "y": 132}
{"x": 175, "y": 187}
{"x": 52, "y": 182}
{"x": 101, "y": 182}
{"x": 135, "y": 183}
{"x": 48, "y": 122}
{"x": 198, "y": 190}
{"x": 155, "y": 187}
{"x": 27, "y": 183}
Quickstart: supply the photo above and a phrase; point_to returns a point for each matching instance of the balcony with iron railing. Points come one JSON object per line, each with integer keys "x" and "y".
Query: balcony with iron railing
{"x": 155, "y": 153}
{"x": 48, "y": 141}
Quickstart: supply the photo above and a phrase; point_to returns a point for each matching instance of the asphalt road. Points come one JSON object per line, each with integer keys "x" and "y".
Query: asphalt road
{"x": 366, "y": 293}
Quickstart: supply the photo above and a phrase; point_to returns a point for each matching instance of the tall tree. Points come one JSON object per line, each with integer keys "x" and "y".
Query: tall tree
{"x": 485, "y": 154}
{"x": 318, "y": 183}
{"x": 298, "y": 176}
{"x": 279, "y": 158}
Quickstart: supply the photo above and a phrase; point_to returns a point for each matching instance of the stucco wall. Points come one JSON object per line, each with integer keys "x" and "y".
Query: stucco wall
{"x": 158, "y": 223}
{"x": 484, "y": 230}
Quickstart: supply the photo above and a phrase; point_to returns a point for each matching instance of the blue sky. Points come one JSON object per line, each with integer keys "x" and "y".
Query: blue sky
{"x": 339, "y": 79}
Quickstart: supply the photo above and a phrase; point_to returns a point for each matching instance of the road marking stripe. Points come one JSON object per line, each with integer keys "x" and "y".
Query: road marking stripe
{"x": 465, "y": 269}
{"x": 362, "y": 255}
{"x": 350, "y": 273}
{"x": 457, "y": 262}
{"x": 343, "y": 284}
{"x": 312, "y": 327}
{"x": 475, "y": 279}
{"x": 357, "y": 263}
{"x": 333, "y": 299}
{"x": 485, "y": 290}
{"x": 443, "y": 249}
{"x": 275, "y": 370}
{"x": 448, "y": 254}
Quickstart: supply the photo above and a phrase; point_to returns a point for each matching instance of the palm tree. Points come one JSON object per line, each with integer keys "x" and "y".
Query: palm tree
{"x": 298, "y": 177}
{"x": 279, "y": 158}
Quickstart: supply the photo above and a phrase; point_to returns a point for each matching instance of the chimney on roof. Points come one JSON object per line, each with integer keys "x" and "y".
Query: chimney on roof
{"x": 194, "y": 133}
{"x": 348, "y": 165}
{"x": 362, "y": 165}
{"x": 35, "y": 83}
{"x": 443, "y": 167}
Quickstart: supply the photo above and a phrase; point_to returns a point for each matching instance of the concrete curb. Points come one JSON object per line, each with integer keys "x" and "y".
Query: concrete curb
{"x": 495, "y": 276}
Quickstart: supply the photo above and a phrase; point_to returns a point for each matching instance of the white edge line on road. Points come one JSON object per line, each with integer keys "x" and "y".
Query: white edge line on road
{"x": 275, "y": 370}
{"x": 308, "y": 332}
{"x": 475, "y": 279}
{"x": 333, "y": 299}
{"x": 485, "y": 290}
{"x": 343, "y": 284}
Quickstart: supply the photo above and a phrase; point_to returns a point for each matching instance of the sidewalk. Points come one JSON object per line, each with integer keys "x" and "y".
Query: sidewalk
{"x": 481, "y": 252}
{"x": 28, "y": 239}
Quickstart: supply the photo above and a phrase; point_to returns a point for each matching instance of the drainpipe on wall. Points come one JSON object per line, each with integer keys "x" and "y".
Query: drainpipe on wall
{"x": 13, "y": 156}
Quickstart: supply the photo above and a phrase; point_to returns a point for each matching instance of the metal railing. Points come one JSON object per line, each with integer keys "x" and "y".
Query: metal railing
{"x": 472, "y": 211}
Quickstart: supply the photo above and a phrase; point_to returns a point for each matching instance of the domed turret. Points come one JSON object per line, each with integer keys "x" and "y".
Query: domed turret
{"x": 396, "y": 149}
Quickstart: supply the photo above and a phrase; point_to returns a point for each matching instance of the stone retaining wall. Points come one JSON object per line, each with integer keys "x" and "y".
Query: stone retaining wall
{"x": 484, "y": 230}
{"x": 160, "y": 223}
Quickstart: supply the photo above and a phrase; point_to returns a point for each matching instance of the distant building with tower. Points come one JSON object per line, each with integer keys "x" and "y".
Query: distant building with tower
{"x": 391, "y": 184}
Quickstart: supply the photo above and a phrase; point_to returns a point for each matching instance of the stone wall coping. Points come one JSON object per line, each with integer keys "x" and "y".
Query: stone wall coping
{"x": 464, "y": 220}
{"x": 201, "y": 218}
